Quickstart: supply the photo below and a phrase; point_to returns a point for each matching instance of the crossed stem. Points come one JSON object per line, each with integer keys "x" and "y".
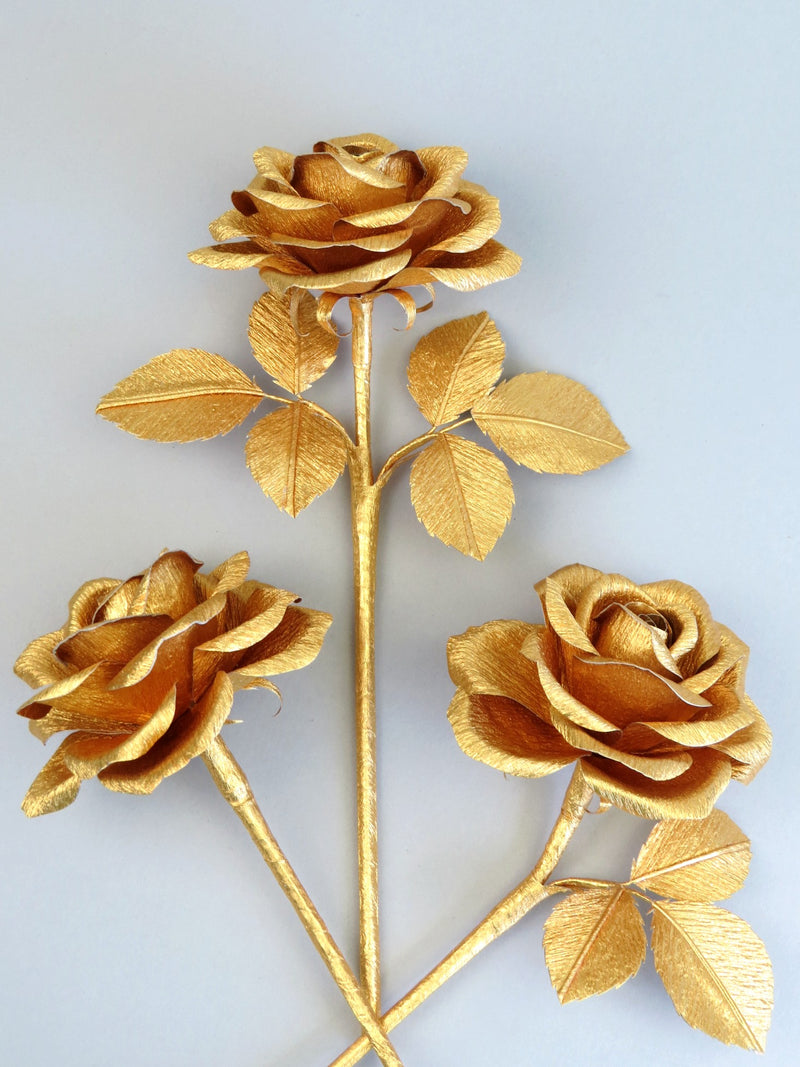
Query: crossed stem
{"x": 232, "y": 783}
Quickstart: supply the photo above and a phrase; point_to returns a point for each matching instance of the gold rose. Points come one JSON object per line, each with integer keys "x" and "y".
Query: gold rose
{"x": 143, "y": 676}
{"x": 679, "y": 727}
{"x": 357, "y": 218}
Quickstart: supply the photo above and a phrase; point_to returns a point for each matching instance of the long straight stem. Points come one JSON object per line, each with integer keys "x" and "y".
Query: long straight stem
{"x": 232, "y": 783}
{"x": 513, "y": 907}
{"x": 365, "y": 501}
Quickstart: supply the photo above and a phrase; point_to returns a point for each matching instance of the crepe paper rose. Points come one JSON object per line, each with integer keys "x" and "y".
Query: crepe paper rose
{"x": 637, "y": 683}
{"x": 144, "y": 671}
{"x": 359, "y": 215}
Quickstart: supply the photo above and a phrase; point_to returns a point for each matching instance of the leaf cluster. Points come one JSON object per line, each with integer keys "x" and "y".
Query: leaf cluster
{"x": 461, "y": 491}
{"x": 714, "y": 968}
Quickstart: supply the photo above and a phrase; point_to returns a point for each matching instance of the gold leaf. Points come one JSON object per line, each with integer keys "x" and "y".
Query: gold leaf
{"x": 455, "y": 365}
{"x": 716, "y": 971}
{"x": 294, "y": 357}
{"x": 694, "y": 859}
{"x": 295, "y": 454}
{"x": 183, "y": 395}
{"x": 593, "y": 941}
{"x": 462, "y": 494}
{"x": 549, "y": 423}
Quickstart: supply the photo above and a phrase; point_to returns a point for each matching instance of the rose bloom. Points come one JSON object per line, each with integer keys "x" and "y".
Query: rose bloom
{"x": 144, "y": 671}
{"x": 358, "y": 215}
{"x": 637, "y": 683}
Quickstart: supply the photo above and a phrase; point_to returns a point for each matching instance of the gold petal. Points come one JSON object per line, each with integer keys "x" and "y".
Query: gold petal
{"x": 37, "y": 665}
{"x": 568, "y": 705}
{"x": 558, "y": 595}
{"x": 230, "y": 573}
{"x": 607, "y": 589}
{"x": 114, "y": 641}
{"x": 295, "y": 454}
{"x": 325, "y": 257}
{"x": 593, "y": 941}
{"x": 236, "y": 256}
{"x": 625, "y": 692}
{"x": 261, "y": 615}
{"x": 292, "y": 645}
{"x": 730, "y": 662}
{"x": 345, "y": 182}
{"x": 549, "y": 423}
{"x": 354, "y": 281}
{"x": 503, "y": 734}
{"x": 276, "y": 166}
{"x": 486, "y": 659}
{"x": 750, "y": 748}
{"x": 403, "y": 167}
{"x": 624, "y": 634}
{"x": 482, "y": 222}
{"x": 716, "y": 971}
{"x": 444, "y": 165}
{"x": 709, "y": 728}
{"x": 371, "y": 142}
{"x": 691, "y": 795}
{"x": 166, "y": 647}
{"x": 694, "y": 859}
{"x": 182, "y": 395}
{"x": 304, "y": 218}
{"x": 462, "y": 494}
{"x": 118, "y": 603}
{"x": 491, "y": 262}
{"x": 87, "y": 600}
{"x": 292, "y": 347}
{"x": 189, "y": 736}
{"x": 656, "y": 767}
{"x": 88, "y": 754}
{"x": 92, "y": 706}
{"x": 168, "y": 586}
{"x": 455, "y": 365}
{"x": 54, "y": 787}
{"x": 667, "y": 594}
{"x": 420, "y": 215}
{"x": 38, "y": 704}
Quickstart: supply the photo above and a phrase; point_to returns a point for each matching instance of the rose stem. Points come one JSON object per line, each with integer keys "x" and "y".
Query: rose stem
{"x": 510, "y": 910}
{"x": 232, "y": 783}
{"x": 365, "y": 503}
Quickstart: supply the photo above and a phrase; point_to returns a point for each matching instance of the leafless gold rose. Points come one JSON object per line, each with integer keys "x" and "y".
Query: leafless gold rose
{"x": 144, "y": 671}
{"x": 358, "y": 215}
{"x": 636, "y": 682}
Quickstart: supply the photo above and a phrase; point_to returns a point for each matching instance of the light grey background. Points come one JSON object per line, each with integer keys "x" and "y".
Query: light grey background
{"x": 646, "y": 156}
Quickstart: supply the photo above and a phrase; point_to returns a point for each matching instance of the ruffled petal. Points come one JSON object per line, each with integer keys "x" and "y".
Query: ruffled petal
{"x": 87, "y": 754}
{"x": 691, "y": 795}
{"x": 53, "y": 788}
{"x": 293, "y": 644}
{"x": 487, "y": 659}
{"x": 507, "y": 736}
{"x": 189, "y": 736}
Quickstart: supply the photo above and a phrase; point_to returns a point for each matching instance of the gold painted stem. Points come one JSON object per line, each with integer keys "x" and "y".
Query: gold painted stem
{"x": 232, "y": 783}
{"x": 509, "y": 911}
{"x": 365, "y": 502}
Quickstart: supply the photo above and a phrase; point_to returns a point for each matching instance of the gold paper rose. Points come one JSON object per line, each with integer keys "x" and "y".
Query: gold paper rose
{"x": 637, "y": 683}
{"x": 144, "y": 671}
{"x": 358, "y": 215}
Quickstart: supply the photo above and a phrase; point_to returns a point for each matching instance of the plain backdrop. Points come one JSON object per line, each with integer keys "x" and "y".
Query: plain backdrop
{"x": 646, "y": 159}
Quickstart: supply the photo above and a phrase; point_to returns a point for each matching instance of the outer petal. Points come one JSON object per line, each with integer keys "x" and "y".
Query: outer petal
{"x": 691, "y": 795}
{"x": 507, "y": 736}
{"x": 88, "y": 754}
{"x": 729, "y": 663}
{"x": 168, "y": 586}
{"x": 487, "y": 659}
{"x": 37, "y": 665}
{"x": 190, "y": 735}
{"x": 491, "y": 263}
{"x": 87, "y": 600}
{"x": 750, "y": 748}
{"x": 112, "y": 641}
{"x": 444, "y": 165}
{"x": 294, "y": 644}
{"x": 235, "y": 256}
{"x": 54, "y": 787}
{"x": 356, "y": 280}
{"x": 478, "y": 227}
{"x": 625, "y": 692}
